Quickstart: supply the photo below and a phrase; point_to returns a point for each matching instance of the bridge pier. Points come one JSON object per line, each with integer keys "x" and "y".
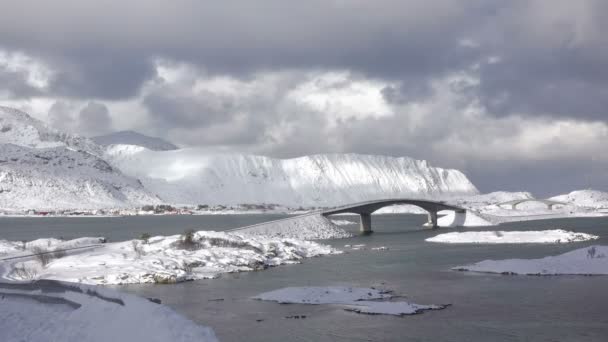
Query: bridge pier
{"x": 366, "y": 223}
{"x": 432, "y": 222}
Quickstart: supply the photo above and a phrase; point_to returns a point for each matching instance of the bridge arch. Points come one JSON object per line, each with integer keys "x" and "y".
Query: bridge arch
{"x": 365, "y": 209}
{"x": 549, "y": 203}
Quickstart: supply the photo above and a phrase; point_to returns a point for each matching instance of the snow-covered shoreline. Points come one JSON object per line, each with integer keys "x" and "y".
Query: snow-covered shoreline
{"x": 512, "y": 237}
{"x": 592, "y": 260}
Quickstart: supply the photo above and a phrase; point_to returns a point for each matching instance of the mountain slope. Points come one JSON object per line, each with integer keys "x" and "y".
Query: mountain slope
{"x": 193, "y": 176}
{"x": 134, "y": 138}
{"x": 60, "y": 177}
{"x": 17, "y": 127}
{"x": 585, "y": 198}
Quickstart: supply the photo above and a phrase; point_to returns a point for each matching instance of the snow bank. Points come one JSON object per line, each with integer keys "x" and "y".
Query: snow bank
{"x": 167, "y": 259}
{"x": 492, "y": 198}
{"x": 584, "y": 261}
{"x": 46, "y": 244}
{"x": 493, "y": 237}
{"x": 343, "y": 222}
{"x": 361, "y": 300}
{"x": 52, "y": 311}
{"x": 306, "y": 227}
{"x": 466, "y": 219}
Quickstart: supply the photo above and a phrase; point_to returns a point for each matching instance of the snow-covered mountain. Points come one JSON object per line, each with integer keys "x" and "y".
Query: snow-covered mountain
{"x": 18, "y": 128}
{"x": 134, "y": 138}
{"x": 44, "y": 168}
{"x": 194, "y": 176}
{"x": 585, "y": 198}
{"x": 59, "y": 177}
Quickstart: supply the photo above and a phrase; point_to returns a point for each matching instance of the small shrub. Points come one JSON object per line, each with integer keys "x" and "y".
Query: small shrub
{"x": 187, "y": 267}
{"x": 138, "y": 249}
{"x": 147, "y": 207}
{"x": 145, "y": 237}
{"x": 20, "y": 272}
{"x": 58, "y": 254}
{"x": 187, "y": 240}
{"x": 42, "y": 255}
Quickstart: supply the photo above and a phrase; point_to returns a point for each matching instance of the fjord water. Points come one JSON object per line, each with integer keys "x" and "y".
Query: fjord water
{"x": 485, "y": 307}
{"x": 120, "y": 228}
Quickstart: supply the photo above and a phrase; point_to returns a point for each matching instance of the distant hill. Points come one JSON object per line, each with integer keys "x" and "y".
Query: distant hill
{"x": 134, "y": 138}
{"x": 18, "y": 128}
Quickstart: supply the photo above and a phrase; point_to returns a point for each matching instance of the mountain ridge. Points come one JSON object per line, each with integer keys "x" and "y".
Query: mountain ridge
{"x": 195, "y": 176}
{"x": 130, "y": 137}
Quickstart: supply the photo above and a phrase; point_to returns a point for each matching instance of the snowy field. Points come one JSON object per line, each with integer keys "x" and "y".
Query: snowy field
{"x": 497, "y": 237}
{"x": 160, "y": 259}
{"x": 591, "y": 260}
{"x": 360, "y": 300}
{"x": 53, "y": 311}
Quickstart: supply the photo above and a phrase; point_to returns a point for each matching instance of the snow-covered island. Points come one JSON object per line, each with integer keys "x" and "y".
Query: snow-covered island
{"x": 361, "y": 300}
{"x": 591, "y": 260}
{"x": 498, "y": 237}
{"x": 159, "y": 259}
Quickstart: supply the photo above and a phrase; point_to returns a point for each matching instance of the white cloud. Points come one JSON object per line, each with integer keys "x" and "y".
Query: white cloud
{"x": 37, "y": 73}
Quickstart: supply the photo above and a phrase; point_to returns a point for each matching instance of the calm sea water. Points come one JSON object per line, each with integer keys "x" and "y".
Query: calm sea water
{"x": 120, "y": 228}
{"x": 484, "y": 307}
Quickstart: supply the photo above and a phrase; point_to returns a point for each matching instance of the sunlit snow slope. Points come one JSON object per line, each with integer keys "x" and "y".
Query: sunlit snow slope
{"x": 194, "y": 176}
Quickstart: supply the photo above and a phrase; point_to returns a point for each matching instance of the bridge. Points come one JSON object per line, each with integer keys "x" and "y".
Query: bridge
{"x": 548, "y": 203}
{"x": 365, "y": 209}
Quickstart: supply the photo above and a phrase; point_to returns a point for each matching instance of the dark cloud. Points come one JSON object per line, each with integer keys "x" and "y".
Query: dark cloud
{"x": 530, "y": 60}
{"x": 93, "y": 119}
{"x": 15, "y": 84}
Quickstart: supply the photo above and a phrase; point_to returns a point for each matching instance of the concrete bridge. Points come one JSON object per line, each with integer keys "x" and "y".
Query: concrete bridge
{"x": 365, "y": 209}
{"x": 548, "y": 203}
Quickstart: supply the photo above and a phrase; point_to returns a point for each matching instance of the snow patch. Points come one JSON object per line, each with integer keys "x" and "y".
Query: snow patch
{"x": 466, "y": 219}
{"x": 361, "y": 300}
{"x": 591, "y": 260}
{"x": 497, "y": 237}
{"x": 343, "y": 222}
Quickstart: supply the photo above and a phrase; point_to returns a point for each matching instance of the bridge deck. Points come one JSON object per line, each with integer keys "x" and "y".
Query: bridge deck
{"x": 371, "y": 206}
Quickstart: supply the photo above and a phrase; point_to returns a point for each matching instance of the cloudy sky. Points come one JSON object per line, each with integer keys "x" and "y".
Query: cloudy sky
{"x": 513, "y": 93}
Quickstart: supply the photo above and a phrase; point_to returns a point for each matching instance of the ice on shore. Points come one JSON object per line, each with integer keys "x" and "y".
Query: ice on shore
{"x": 343, "y": 222}
{"x": 497, "y": 237}
{"x": 166, "y": 259}
{"x": 357, "y": 299}
{"x": 591, "y": 260}
{"x": 53, "y": 311}
{"x": 466, "y": 219}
